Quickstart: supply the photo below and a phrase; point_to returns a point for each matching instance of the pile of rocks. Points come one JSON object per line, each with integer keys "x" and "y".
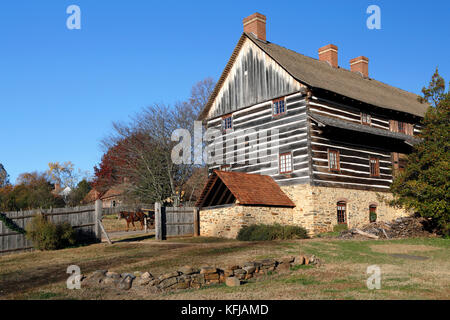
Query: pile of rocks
{"x": 188, "y": 277}
{"x": 404, "y": 227}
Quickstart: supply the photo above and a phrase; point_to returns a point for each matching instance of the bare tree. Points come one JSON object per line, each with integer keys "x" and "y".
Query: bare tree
{"x": 147, "y": 170}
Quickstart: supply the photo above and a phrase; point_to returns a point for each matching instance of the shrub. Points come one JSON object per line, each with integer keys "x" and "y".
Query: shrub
{"x": 340, "y": 227}
{"x": 47, "y": 235}
{"x": 264, "y": 232}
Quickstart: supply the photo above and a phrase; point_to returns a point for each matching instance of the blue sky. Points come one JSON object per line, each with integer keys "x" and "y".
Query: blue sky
{"x": 60, "y": 89}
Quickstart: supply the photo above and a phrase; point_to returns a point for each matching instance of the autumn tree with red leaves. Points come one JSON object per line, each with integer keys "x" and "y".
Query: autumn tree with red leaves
{"x": 110, "y": 170}
{"x": 139, "y": 151}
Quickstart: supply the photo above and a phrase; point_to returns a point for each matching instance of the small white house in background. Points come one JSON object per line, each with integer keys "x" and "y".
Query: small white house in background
{"x": 66, "y": 191}
{"x": 63, "y": 192}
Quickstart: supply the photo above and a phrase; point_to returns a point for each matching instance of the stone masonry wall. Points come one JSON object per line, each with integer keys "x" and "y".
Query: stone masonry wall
{"x": 315, "y": 211}
{"x": 324, "y": 203}
{"x": 226, "y": 222}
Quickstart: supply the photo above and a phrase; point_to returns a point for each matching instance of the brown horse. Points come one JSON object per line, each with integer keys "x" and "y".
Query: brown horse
{"x": 132, "y": 217}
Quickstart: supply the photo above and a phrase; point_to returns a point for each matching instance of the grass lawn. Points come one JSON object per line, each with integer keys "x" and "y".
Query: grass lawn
{"x": 410, "y": 269}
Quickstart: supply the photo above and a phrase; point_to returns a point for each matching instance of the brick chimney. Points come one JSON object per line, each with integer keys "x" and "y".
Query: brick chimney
{"x": 329, "y": 53}
{"x": 256, "y": 24}
{"x": 360, "y": 64}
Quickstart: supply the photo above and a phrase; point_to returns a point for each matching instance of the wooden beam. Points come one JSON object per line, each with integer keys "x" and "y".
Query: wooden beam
{"x": 223, "y": 195}
{"x": 209, "y": 190}
{"x": 229, "y": 197}
{"x": 219, "y": 188}
{"x": 196, "y": 222}
{"x": 104, "y": 231}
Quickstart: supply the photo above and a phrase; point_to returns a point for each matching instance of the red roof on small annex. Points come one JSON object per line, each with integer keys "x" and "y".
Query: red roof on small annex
{"x": 251, "y": 189}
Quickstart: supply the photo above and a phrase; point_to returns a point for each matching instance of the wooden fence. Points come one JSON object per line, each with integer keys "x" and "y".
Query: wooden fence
{"x": 175, "y": 221}
{"x": 83, "y": 219}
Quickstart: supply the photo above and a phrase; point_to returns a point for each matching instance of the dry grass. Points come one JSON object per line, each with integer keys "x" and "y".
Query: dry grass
{"x": 111, "y": 223}
{"x": 401, "y": 248}
{"x": 42, "y": 275}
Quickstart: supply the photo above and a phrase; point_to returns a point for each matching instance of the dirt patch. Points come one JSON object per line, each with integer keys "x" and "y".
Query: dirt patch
{"x": 401, "y": 248}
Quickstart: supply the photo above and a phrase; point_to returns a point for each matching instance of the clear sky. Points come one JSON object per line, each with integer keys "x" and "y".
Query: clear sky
{"x": 60, "y": 89}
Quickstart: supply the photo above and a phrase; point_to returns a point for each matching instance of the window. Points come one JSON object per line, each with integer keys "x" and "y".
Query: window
{"x": 401, "y": 127}
{"x": 374, "y": 167}
{"x": 372, "y": 213}
{"x": 366, "y": 118}
{"x": 342, "y": 212}
{"x": 285, "y": 162}
{"x": 333, "y": 160}
{"x": 114, "y": 203}
{"x": 278, "y": 107}
{"x": 402, "y": 164}
{"x": 227, "y": 123}
{"x": 399, "y": 161}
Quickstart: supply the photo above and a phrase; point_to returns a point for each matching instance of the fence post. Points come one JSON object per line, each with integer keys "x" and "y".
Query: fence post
{"x": 196, "y": 223}
{"x": 98, "y": 218}
{"x": 158, "y": 222}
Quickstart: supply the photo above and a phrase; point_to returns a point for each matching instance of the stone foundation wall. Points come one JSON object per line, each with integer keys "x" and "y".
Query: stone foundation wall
{"x": 315, "y": 211}
{"x": 324, "y": 204}
{"x": 227, "y": 221}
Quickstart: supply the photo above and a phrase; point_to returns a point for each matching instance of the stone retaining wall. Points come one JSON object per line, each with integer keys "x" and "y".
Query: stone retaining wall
{"x": 188, "y": 277}
{"x": 316, "y": 211}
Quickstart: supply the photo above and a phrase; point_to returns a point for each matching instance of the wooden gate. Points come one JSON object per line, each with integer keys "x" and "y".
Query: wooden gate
{"x": 175, "y": 221}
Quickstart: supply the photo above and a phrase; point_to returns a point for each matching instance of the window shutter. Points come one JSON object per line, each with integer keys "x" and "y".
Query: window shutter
{"x": 395, "y": 159}
{"x": 393, "y": 125}
{"x": 410, "y": 129}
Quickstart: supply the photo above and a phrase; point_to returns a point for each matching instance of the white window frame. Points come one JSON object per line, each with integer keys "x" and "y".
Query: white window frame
{"x": 284, "y": 154}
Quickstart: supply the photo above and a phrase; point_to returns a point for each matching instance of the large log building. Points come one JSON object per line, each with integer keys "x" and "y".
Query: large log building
{"x": 332, "y": 139}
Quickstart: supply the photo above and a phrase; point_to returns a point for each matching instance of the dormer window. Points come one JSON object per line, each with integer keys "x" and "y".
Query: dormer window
{"x": 227, "y": 123}
{"x": 278, "y": 107}
{"x": 366, "y": 118}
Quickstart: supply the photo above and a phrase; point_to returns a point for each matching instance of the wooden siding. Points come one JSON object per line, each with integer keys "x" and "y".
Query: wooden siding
{"x": 354, "y": 151}
{"x": 254, "y": 78}
{"x": 292, "y": 137}
{"x": 347, "y": 113}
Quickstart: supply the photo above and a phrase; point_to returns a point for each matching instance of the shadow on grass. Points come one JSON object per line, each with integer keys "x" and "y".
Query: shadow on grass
{"x": 135, "y": 239}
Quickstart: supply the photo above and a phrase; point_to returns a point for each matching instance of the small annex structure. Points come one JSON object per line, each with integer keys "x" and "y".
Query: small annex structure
{"x": 226, "y": 188}
{"x": 232, "y": 200}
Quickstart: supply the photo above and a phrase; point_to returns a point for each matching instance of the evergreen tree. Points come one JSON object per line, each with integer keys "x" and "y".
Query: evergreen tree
{"x": 424, "y": 184}
{"x": 4, "y": 177}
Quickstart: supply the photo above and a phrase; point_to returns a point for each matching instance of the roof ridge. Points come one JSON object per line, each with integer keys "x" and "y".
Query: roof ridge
{"x": 354, "y": 86}
{"x": 338, "y": 68}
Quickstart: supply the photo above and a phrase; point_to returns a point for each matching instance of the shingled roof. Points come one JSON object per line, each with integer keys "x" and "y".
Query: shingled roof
{"x": 247, "y": 189}
{"x": 319, "y": 74}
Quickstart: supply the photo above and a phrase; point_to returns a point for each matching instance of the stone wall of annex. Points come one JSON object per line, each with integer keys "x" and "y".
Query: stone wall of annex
{"x": 315, "y": 211}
